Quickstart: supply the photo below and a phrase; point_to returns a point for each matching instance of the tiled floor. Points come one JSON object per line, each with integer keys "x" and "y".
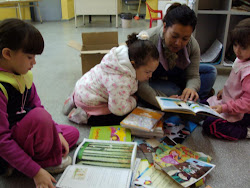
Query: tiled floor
{"x": 59, "y": 67}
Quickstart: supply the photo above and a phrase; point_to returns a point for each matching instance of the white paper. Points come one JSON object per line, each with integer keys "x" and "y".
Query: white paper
{"x": 212, "y": 53}
{"x": 79, "y": 176}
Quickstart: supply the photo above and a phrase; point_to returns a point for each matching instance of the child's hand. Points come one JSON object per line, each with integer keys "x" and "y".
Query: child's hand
{"x": 219, "y": 94}
{"x": 65, "y": 145}
{"x": 43, "y": 179}
{"x": 217, "y": 108}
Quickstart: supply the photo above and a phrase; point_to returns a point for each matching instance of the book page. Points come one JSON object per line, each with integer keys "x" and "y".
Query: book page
{"x": 203, "y": 109}
{"x": 158, "y": 179}
{"x": 173, "y": 105}
{"x": 79, "y": 176}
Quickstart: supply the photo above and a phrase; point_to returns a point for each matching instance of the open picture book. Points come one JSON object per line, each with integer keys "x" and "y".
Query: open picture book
{"x": 190, "y": 107}
{"x": 99, "y": 163}
{"x": 189, "y": 172}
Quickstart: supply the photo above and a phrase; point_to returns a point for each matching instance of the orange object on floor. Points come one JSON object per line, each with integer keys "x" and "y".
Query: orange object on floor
{"x": 153, "y": 18}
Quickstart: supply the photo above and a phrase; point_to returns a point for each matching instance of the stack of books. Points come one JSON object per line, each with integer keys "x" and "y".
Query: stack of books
{"x": 144, "y": 122}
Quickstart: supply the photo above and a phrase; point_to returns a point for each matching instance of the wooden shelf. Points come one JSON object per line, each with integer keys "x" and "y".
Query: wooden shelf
{"x": 216, "y": 19}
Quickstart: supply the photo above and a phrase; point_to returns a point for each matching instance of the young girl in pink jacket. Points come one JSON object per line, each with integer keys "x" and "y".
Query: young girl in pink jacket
{"x": 106, "y": 93}
{"x": 30, "y": 141}
{"x": 233, "y": 102}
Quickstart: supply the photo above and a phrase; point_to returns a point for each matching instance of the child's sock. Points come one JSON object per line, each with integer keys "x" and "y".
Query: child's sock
{"x": 78, "y": 115}
{"x": 68, "y": 105}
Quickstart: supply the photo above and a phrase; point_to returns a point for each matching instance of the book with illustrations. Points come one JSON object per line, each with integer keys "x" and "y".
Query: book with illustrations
{"x": 100, "y": 163}
{"x": 148, "y": 176}
{"x": 167, "y": 156}
{"x": 143, "y": 119}
{"x": 189, "y": 172}
{"x": 114, "y": 132}
{"x": 190, "y": 107}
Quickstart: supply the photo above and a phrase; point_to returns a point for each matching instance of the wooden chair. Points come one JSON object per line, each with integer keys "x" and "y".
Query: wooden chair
{"x": 151, "y": 17}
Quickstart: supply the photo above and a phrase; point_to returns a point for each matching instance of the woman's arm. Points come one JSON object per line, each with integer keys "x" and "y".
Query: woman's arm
{"x": 148, "y": 94}
{"x": 192, "y": 72}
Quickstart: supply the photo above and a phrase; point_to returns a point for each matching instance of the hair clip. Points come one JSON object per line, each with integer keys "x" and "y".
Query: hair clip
{"x": 143, "y": 35}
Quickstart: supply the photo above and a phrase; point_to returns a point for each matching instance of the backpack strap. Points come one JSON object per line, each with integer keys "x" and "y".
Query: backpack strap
{"x": 4, "y": 91}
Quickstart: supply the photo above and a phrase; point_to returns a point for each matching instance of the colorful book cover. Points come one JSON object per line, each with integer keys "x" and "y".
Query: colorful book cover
{"x": 188, "y": 172}
{"x": 174, "y": 155}
{"x": 144, "y": 119}
{"x": 115, "y": 133}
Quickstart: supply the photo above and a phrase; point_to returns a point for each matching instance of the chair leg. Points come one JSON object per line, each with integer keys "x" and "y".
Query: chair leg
{"x": 90, "y": 19}
{"x": 39, "y": 13}
{"x": 150, "y": 24}
{"x": 110, "y": 18}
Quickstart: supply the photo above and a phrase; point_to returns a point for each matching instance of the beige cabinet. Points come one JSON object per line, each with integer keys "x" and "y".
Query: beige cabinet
{"x": 97, "y": 7}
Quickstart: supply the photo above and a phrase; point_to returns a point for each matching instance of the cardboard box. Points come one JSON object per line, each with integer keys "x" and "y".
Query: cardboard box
{"x": 94, "y": 47}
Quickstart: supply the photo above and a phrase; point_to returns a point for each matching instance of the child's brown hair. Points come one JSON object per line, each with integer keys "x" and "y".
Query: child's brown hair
{"x": 141, "y": 51}
{"x": 16, "y": 35}
{"x": 241, "y": 33}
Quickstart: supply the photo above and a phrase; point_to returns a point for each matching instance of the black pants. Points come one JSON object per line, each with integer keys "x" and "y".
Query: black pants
{"x": 103, "y": 120}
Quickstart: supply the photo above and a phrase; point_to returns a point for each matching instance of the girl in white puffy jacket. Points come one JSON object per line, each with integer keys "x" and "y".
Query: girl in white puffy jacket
{"x": 106, "y": 93}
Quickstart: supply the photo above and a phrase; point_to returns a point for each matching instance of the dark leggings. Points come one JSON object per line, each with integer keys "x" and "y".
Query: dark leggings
{"x": 104, "y": 120}
{"x": 223, "y": 129}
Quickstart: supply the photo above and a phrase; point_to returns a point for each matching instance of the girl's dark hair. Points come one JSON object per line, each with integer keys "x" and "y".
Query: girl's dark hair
{"x": 180, "y": 14}
{"x": 16, "y": 35}
{"x": 141, "y": 51}
{"x": 241, "y": 33}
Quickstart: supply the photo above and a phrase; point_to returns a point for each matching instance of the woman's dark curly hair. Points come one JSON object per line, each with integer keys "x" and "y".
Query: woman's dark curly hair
{"x": 180, "y": 14}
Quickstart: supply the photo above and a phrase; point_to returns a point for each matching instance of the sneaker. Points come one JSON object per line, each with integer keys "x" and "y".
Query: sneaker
{"x": 78, "y": 115}
{"x": 66, "y": 161}
{"x": 68, "y": 105}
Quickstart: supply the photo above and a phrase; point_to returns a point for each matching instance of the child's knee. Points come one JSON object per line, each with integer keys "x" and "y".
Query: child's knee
{"x": 70, "y": 133}
{"x": 207, "y": 125}
{"x": 75, "y": 133}
{"x": 41, "y": 116}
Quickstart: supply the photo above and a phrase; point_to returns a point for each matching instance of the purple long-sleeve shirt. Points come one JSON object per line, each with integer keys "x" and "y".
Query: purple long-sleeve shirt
{"x": 9, "y": 149}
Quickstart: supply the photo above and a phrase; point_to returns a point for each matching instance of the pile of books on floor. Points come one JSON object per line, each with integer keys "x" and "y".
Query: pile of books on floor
{"x": 144, "y": 122}
{"x": 113, "y": 164}
{"x": 174, "y": 165}
{"x": 108, "y": 158}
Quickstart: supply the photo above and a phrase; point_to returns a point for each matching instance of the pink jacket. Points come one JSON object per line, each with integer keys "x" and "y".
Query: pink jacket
{"x": 236, "y": 93}
{"x": 109, "y": 86}
{"x": 9, "y": 149}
